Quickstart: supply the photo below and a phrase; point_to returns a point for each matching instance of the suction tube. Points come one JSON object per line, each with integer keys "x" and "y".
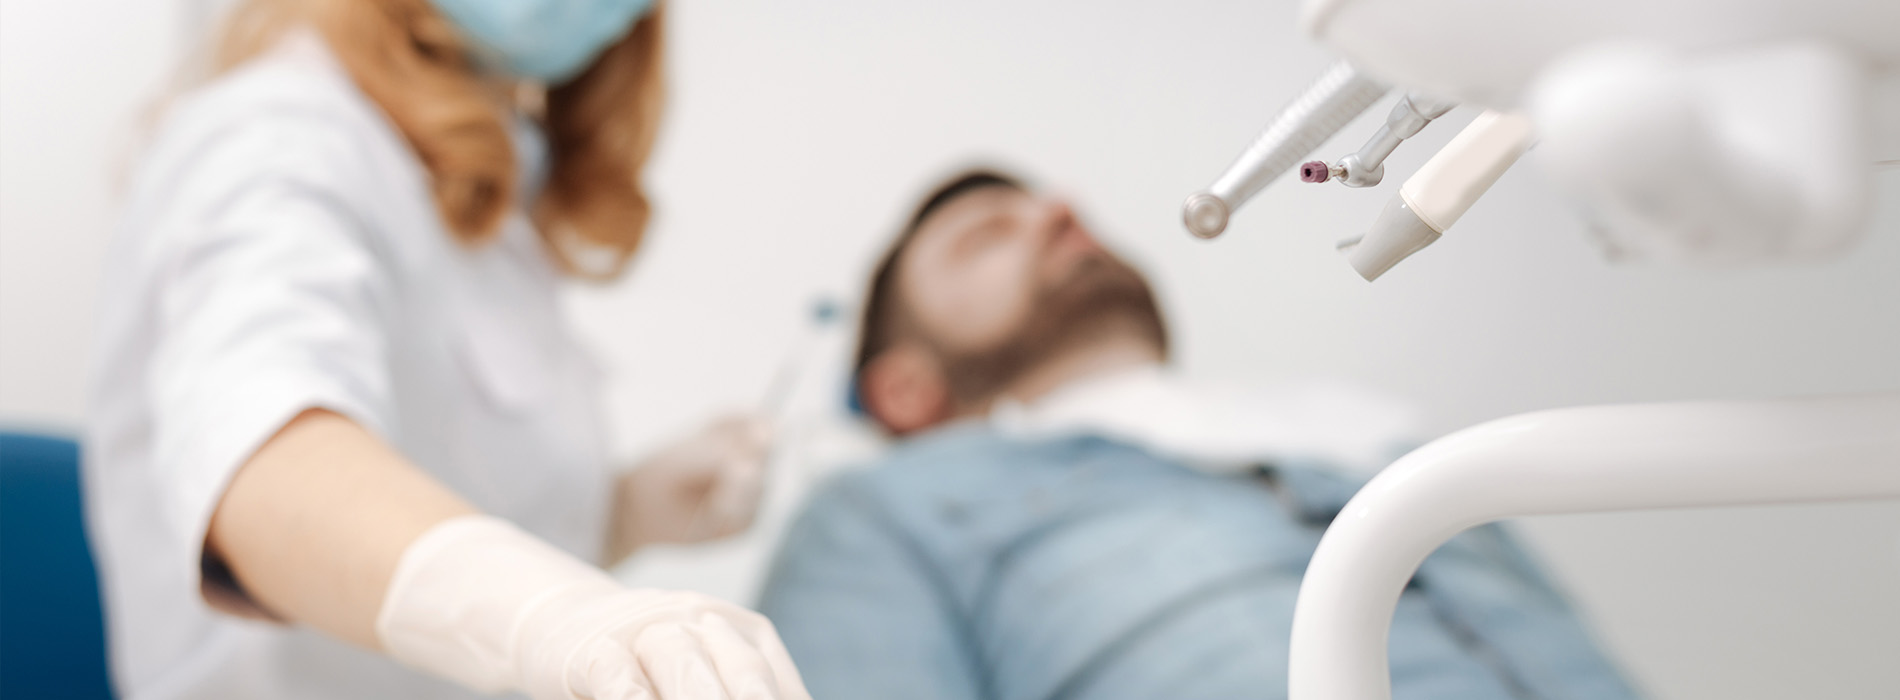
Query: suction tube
{"x": 1340, "y": 95}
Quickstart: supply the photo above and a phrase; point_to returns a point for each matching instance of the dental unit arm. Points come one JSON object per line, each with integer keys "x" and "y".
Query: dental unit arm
{"x": 1696, "y": 131}
{"x": 1692, "y": 131}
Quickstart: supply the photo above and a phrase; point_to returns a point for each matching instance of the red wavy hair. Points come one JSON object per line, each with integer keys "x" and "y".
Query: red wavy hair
{"x": 592, "y": 210}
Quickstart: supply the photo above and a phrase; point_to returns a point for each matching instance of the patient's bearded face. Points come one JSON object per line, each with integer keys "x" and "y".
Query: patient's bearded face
{"x": 1000, "y": 280}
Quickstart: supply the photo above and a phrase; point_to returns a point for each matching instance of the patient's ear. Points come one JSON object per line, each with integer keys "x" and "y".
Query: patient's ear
{"x": 905, "y": 389}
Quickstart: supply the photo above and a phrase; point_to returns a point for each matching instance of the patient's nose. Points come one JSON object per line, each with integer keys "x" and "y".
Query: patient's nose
{"x": 1053, "y": 216}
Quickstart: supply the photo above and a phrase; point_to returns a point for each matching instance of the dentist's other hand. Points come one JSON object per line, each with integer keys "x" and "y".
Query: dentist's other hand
{"x": 704, "y": 487}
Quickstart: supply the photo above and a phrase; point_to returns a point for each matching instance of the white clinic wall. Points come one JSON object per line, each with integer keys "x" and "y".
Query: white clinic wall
{"x": 75, "y": 81}
{"x": 800, "y": 133}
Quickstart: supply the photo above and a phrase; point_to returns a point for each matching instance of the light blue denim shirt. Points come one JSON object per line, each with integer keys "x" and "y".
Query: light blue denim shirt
{"x": 973, "y": 565}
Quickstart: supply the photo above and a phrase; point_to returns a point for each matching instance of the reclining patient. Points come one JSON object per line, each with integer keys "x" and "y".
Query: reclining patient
{"x": 1045, "y": 528}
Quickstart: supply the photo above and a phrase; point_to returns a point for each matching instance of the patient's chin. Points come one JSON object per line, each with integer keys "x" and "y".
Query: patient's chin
{"x": 1103, "y": 298}
{"x": 1104, "y": 293}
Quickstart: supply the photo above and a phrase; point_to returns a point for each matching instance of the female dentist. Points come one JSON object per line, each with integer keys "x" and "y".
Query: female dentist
{"x": 343, "y": 447}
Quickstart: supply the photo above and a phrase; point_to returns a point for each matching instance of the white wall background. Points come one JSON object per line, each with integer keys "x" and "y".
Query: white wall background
{"x": 801, "y": 132}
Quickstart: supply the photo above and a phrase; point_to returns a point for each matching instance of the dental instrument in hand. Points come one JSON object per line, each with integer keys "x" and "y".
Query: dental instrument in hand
{"x": 745, "y": 479}
{"x": 824, "y": 314}
{"x": 750, "y": 444}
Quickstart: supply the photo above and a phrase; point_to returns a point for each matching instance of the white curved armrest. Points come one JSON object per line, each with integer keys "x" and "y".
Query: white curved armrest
{"x": 1602, "y": 458}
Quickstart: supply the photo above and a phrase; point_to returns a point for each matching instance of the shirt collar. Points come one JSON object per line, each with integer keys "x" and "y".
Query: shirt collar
{"x": 1220, "y": 428}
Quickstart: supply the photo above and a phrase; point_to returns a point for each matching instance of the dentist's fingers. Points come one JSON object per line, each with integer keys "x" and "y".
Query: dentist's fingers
{"x": 740, "y": 473}
{"x": 759, "y": 634}
{"x": 762, "y": 431}
{"x": 614, "y": 674}
{"x": 677, "y": 664}
{"x": 755, "y": 432}
{"x": 743, "y": 670}
{"x": 791, "y": 686}
{"x": 734, "y": 501}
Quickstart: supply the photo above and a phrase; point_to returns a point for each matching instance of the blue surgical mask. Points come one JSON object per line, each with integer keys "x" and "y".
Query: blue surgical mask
{"x": 546, "y": 40}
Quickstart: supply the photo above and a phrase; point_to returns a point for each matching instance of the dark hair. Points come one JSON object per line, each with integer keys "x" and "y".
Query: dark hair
{"x": 878, "y": 327}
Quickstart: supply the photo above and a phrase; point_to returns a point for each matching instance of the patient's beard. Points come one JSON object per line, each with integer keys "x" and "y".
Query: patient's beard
{"x": 1102, "y": 298}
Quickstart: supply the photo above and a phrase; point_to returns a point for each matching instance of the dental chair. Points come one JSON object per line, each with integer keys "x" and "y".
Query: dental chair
{"x": 52, "y": 633}
{"x": 1699, "y": 132}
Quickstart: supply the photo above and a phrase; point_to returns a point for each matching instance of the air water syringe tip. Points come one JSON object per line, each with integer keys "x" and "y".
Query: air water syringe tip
{"x": 1315, "y": 171}
{"x": 1204, "y": 214}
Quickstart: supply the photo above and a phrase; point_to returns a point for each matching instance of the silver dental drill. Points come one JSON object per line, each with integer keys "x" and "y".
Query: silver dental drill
{"x": 1340, "y": 95}
{"x": 1366, "y": 167}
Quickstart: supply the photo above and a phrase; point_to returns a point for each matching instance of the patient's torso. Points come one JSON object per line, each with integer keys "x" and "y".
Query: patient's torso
{"x": 968, "y": 565}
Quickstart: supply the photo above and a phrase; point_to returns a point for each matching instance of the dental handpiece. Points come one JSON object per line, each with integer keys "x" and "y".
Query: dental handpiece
{"x": 1366, "y": 166}
{"x": 1334, "y": 100}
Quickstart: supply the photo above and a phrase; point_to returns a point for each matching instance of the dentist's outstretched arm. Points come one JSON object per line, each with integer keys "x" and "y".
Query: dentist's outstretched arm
{"x": 327, "y": 526}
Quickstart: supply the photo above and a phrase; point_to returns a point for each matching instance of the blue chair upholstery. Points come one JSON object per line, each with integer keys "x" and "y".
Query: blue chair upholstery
{"x": 52, "y": 633}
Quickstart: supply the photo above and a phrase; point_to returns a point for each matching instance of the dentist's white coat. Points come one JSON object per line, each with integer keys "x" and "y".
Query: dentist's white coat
{"x": 280, "y": 251}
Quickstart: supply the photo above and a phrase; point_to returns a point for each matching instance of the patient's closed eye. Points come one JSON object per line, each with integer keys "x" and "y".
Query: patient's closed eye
{"x": 988, "y": 231}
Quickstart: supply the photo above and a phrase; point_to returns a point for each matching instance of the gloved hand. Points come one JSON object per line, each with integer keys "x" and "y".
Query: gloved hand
{"x": 705, "y": 487}
{"x": 480, "y": 602}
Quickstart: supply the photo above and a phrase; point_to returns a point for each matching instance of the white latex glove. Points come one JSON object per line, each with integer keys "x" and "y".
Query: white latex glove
{"x": 704, "y": 487}
{"x": 480, "y": 602}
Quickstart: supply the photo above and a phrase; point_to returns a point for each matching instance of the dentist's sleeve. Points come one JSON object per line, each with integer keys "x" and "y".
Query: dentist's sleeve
{"x": 273, "y": 298}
